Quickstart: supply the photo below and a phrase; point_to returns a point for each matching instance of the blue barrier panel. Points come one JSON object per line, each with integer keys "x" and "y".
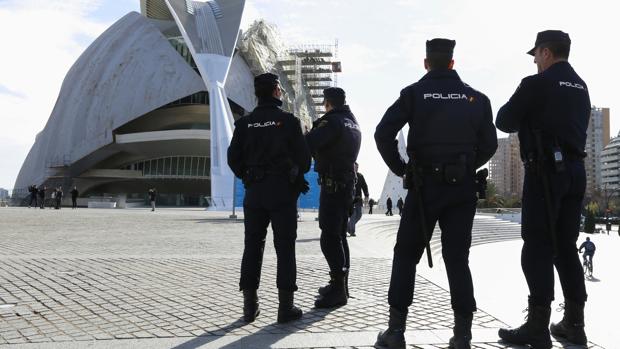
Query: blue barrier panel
{"x": 310, "y": 200}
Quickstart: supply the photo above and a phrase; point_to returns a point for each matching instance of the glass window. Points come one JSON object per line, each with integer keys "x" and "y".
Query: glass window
{"x": 174, "y": 164}
{"x": 147, "y": 168}
{"x": 160, "y": 167}
{"x": 167, "y": 166}
{"x": 188, "y": 166}
{"x": 195, "y": 162}
{"x": 181, "y": 166}
{"x": 201, "y": 166}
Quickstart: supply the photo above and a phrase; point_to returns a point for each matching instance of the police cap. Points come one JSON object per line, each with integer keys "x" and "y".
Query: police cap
{"x": 445, "y": 46}
{"x": 267, "y": 79}
{"x": 334, "y": 94}
{"x": 549, "y": 36}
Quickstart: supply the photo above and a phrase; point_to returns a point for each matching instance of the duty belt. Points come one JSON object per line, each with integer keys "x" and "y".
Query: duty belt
{"x": 331, "y": 183}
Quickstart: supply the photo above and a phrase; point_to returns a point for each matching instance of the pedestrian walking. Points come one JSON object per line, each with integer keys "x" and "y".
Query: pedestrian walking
{"x": 74, "y": 195}
{"x": 268, "y": 152}
{"x": 41, "y": 192}
{"x": 33, "y": 196}
{"x": 451, "y": 134}
{"x": 152, "y": 198}
{"x": 550, "y": 111}
{"x": 59, "y": 195}
{"x": 358, "y": 202}
{"x": 388, "y": 204}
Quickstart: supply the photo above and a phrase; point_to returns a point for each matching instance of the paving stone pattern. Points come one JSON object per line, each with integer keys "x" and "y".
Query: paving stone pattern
{"x": 122, "y": 298}
{"x": 89, "y": 275}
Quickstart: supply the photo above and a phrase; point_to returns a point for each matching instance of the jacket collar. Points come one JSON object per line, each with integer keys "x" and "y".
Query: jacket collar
{"x": 269, "y": 102}
{"x": 344, "y": 108}
{"x": 441, "y": 74}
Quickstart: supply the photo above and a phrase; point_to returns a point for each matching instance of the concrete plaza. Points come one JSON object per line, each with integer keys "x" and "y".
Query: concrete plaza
{"x": 92, "y": 278}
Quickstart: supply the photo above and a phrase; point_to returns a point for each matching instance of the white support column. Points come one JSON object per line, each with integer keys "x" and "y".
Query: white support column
{"x": 210, "y": 30}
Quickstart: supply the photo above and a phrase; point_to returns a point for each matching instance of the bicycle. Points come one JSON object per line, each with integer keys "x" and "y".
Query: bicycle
{"x": 587, "y": 266}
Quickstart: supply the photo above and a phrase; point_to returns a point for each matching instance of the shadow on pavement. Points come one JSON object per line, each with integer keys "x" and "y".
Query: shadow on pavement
{"x": 275, "y": 331}
{"x": 308, "y": 240}
{"x": 215, "y": 220}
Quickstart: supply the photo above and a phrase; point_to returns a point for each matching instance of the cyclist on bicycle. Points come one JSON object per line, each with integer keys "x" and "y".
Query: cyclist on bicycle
{"x": 589, "y": 248}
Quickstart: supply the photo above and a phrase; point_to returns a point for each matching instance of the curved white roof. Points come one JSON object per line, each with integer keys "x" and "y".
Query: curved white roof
{"x": 130, "y": 70}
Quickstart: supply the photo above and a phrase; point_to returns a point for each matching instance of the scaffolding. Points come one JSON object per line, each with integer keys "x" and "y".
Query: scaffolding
{"x": 313, "y": 67}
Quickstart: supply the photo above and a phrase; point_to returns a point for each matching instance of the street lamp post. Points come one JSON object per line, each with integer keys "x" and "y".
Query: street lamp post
{"x": 234, "y": 200}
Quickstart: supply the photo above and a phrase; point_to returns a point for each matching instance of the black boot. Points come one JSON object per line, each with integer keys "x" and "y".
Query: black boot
{"x": 535, "y": 331}
{"x": 394, "y": 336}
{"x": 250, "y": 305}
{"x": 336, "y": 296}
{"x": 571, "y": 326}
{"x": 325, "y": 289}
{"x": 462, "y": 331}
{"x": 287, "y": 311}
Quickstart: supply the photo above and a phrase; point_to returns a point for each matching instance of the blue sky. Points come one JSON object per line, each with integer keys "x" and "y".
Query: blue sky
{"x": 381, "y": 47}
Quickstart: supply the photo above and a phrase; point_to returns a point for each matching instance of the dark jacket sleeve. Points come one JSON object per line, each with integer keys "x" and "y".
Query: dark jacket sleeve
{"x": 363, "y": 185}
{"x": 511, "y": 116}
{"x": 323, "y": 132}
{"x": 487, "y": 137}
{"x": 235, "y": 151}
{"x": 299, "y": 148}
{"x": 385, "y": 134}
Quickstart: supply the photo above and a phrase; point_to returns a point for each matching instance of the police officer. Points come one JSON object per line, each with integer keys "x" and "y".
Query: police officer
{"x": 334, "y": 141}
{"x": 358, "y": 202}
{"x": 550, "y": 111}
{"x": 269, "y": 153}
{"x": 451, "y": 134}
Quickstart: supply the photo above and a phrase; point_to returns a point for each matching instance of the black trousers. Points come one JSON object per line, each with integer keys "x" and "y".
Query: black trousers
{"x": 74, "y": 201}
{"x": 273, "y": 202}
{"x": 454, "y": 207}
{"x": 333, "y": 218}
{"x": 537, "y": 260}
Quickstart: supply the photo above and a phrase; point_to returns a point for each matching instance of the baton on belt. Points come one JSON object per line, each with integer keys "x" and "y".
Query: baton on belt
{"x": 544, "y": 176}
{"x": 416, "y": 183}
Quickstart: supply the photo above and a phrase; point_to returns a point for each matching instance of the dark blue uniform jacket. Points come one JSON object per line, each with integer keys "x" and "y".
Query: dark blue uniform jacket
{"x": 268, "y": 139}
{"x": 555, "y": 101}
{"x": 335, "y": 141}
{"x": 446, "y": 118}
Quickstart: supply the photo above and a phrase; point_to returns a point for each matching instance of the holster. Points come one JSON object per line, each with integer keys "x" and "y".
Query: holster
{"x": 329, "y": 184}
{"x": 253, "y": 175}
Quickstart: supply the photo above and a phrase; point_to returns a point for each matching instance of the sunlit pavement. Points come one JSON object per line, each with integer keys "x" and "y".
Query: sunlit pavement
{"x": 91, "y": 278}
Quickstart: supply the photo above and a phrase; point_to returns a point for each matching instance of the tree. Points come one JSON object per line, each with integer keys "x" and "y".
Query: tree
{"x": 589, "y": 225}
{"x": 492, "y": 199}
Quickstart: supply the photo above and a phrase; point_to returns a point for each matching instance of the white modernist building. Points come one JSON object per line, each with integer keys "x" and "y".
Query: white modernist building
{"x": 393, "y": 186}
{"x": 150, "y": 103}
